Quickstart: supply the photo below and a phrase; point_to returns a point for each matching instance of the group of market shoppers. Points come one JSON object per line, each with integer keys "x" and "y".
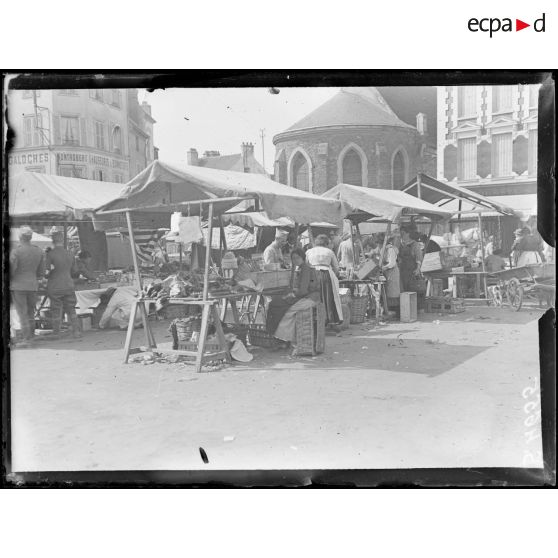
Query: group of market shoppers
{"x": 29, "y": 264}
{"x": 318, "y": 269}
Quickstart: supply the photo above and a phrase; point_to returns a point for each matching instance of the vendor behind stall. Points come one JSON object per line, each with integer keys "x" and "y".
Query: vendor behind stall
{"x": 345, "y": 253}
{"x": 321, "y": 258}
{"x": 273, "y": 254}
{"x": 82, "y": 267}
{"x": 410, "y": 258}
{"x": 305, "y": 294}
{"x": 495, "y": 262}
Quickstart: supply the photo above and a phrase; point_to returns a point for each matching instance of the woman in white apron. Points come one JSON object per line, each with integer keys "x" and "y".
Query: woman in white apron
{"x": 321, "y": 258}
{"x": 390, "y": 270}
{"x": 526, "y": 248}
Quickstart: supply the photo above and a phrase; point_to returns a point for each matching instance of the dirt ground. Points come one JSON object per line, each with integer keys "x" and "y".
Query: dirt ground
{"x": 445, "y": 391}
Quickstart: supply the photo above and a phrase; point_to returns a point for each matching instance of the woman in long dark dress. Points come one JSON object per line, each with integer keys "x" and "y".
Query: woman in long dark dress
{"x": 305, "y": 294}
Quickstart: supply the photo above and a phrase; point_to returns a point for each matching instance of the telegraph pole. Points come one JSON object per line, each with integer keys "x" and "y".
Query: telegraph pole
{"x": 262, "y": 136}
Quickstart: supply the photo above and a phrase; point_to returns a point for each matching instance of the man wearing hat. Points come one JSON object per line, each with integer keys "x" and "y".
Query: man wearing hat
{"x": 527, "y": 249}
{"x": 26, "y": 268}
{"x": 60, "y": 266}
{"x": 274, "y": 252}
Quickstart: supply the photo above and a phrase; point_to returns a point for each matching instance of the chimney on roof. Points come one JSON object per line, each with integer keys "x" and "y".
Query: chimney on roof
{"x": 212, "y": 153}
{"x": 421, "y": 124}
{"x": 192, "y": 157}
{"x": 247, "y": 151}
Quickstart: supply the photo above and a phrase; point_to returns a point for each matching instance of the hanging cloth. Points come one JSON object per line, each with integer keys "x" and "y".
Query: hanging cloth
{"x": 189, "y": 230}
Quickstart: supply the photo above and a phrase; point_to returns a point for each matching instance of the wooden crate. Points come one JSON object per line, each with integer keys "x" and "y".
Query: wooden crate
{"x": 358, "y": 306}
{"x": 310, "y": 331}
{"x": 272, "y": 279}
{"x": 443, "y": 305}
{"x": 408, "y": 307}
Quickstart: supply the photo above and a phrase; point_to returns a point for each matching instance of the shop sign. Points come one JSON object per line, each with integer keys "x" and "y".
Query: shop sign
{"x": 35, "y": 158}
{"x": 93, "y": 159}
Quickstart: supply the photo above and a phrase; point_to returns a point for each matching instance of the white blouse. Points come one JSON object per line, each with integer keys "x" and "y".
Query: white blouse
{"x": 320, "y": 255}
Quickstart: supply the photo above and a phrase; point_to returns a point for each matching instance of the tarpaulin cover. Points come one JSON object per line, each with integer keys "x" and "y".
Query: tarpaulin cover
{"x": 436, "y": 192}
{"x": 524, "y": 205}
{"x": 36, "y": 196}
{"x": 387, "y": 204}
{"x": 256, "y": 219}
{"x": 164, "y": 188}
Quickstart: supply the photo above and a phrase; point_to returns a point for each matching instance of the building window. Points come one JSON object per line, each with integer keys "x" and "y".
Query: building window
{"x": 32, "y": 135}
{"x": 69, "y": 130}
{"x": 28, "y": 93}
{"x": 99, "y": 135}
{"x": 301, "y": 173}
{"x": 116, "y": 98}
{"x": 502, "y": 98}
{"x": 96, "y": 94}
{"x": 533, "y": 151}
{"x": 72, "y": 92}
{"x": 399, "y": 170}
{"x": 137, "y": 143}
{"x": 139, "y": 168}
{"x": 352, "y": 168}
{"x": 99, "y": 175}
{"x": 72, "y": 171}
{"x": 501, "y": 155}
{"x": 467, "y": 101}
{"x": 467, "y": 158}
{"x": 117, "y": 139}
{"x": 147, "y": 157}
{"x": 118, "y": 178}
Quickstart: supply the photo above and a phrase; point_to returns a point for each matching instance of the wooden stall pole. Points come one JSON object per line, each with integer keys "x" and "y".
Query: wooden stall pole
{"x": 142, "y": 309}
{"x": 383, "y": 295}
{"x": 482, "y": 253}
{"x": 207, "y": 308}
{"x": 133, "y": 247}
{"x": 65, "y": 236}
{"x": 419, "y": 184}
{"x": 360, "y": 245}
{"x": 208, "y": 252}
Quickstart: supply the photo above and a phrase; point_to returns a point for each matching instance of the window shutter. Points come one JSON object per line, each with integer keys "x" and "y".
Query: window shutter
{"x": 56, "y": 126}
{"x": 83, "y": 132}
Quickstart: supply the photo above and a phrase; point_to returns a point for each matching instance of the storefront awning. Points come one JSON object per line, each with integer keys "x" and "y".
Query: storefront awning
{"x": 50, "y": 198}
{"x": 443, "y": 194}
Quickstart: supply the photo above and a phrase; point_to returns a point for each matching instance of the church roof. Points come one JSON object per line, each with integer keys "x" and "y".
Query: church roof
{"x": 352, "y": 106}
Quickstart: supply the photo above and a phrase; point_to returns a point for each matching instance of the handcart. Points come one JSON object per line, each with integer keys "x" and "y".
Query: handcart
{"x": 535, "y": 282}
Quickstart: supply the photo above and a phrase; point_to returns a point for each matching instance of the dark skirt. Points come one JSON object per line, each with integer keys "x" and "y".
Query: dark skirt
{"x": 326, "y": 292}
{"x": 275, "y": 311}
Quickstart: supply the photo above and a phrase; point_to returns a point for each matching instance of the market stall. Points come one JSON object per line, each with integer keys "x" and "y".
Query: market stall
{"x": 43, "y": 201}
{"x": 197, "y": 194}
{"x": 455, "y": 264}
{"x": 388, "y": 207}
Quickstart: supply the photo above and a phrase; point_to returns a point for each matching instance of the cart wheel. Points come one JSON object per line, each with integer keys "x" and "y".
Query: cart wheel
{"x": 515, "y": 294}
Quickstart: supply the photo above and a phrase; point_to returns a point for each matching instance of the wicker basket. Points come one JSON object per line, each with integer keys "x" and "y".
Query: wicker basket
{"x": 193, "y": 346}
{"x": 185, "y": 327}
{"x": 310, "y": 331}
{"x": 359, "y": 306}
{"x": 259, "y": 337}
